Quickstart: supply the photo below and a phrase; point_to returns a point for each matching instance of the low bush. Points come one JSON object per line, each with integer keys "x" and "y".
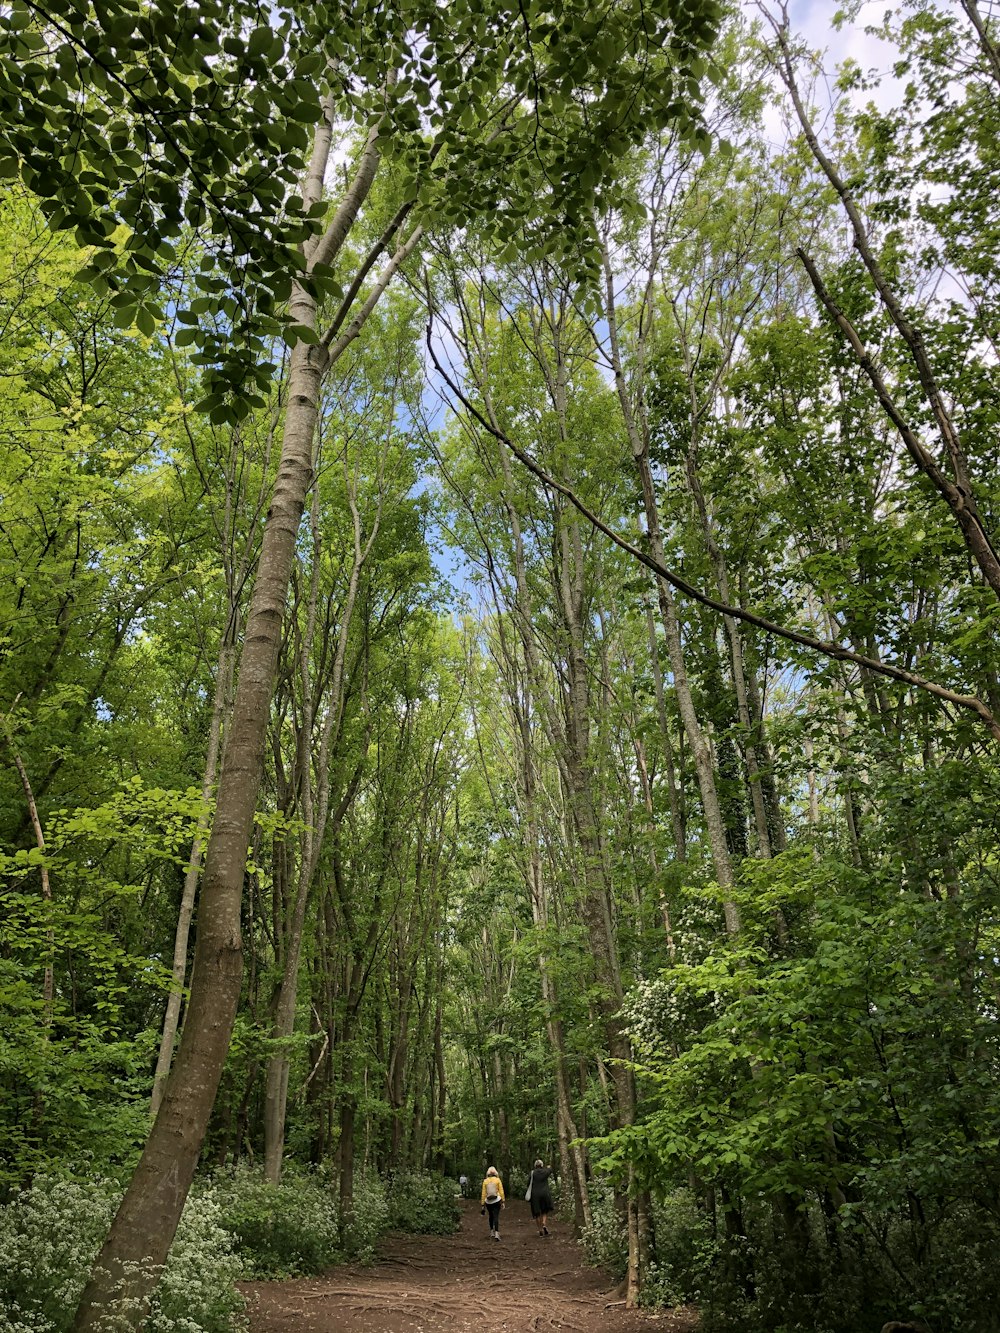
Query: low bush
{"x": 686, "y": 1252}
{"x": 51, "y": 1232}
{"x": 369, "y": 1219}
{"x": 605, "y": 1240}
{"x": 837, "y": 1279}
{"x": 285, "y": 1230}
{"x": 422, "y": 1202}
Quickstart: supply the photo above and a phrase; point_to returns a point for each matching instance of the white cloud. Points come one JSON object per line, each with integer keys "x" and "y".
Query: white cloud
{"x": 813, "y": 21}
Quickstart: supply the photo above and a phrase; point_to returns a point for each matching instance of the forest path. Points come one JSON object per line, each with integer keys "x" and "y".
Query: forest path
{"x": 464, "y": 1282}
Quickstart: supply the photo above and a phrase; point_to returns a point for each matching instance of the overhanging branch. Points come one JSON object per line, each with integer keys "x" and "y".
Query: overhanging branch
{"x": 825, "y": 647}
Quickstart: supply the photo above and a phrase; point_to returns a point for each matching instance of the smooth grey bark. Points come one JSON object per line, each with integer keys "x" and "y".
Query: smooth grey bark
{"x": 719, "y": 565}
{"x": 647, "y": 801}
{"x": 235, "y": 571}
{"x": 315, "y": 809}
{"x": 772, "y": 801}
{"x": 673, "y": 791}
{"x": 986, "y": 42}
{"x": 571, "y": 1152}
{"x": 595, "y": 902}
{"x": 276, "y": 1070}
{"x": 48, "y": 984}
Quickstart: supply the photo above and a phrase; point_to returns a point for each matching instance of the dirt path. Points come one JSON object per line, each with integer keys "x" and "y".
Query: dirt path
{"x": 465, "y": 1282}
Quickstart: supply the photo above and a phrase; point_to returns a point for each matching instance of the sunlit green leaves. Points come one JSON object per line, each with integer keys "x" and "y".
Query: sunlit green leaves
{"x": 203, "y": 116}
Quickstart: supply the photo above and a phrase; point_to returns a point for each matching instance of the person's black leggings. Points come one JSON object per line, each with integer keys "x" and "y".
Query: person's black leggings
{"x": 493, "y": 1209}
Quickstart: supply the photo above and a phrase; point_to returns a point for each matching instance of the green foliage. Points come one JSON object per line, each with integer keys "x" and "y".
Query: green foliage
{"x": 687, "y": 1252}
{"x": 295, "y": 1229}
{"x": 368, "y": 1220}
{"x": 818, "y": 1119}
{"x": 605, "y": 1241}
{"x": 284, "y": 1230}
{"x": 74, "y": 1094}
{"x": 76, "y": 1074}
{"x": 847, "y": 1075}
{"x": 50, "y": 1233}
{"x": 422, "y": 1202}
{"x": 100, "y": 79}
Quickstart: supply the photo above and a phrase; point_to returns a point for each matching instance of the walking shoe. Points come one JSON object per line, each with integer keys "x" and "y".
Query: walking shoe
{"x": 545, "y": 1231}
{"x": 497, "y": 1236}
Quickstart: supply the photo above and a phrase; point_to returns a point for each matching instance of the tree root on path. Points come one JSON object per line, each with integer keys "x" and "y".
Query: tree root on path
{"x": 536, "y": 1324}
{"x": 420, "y": 1311}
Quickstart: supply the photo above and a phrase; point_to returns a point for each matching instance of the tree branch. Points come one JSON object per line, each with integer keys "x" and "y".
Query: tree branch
{"x": 968, "y": 701}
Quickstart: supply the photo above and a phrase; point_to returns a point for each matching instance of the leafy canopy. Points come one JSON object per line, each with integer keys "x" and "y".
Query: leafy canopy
{"x": 136, "y": 122}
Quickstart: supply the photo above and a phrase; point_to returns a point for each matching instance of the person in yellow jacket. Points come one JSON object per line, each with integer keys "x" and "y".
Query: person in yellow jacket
{"x": 492, "y": 1200}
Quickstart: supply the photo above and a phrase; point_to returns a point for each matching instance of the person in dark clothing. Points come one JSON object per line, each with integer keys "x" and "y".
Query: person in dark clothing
{"x": 540, "y": 1198}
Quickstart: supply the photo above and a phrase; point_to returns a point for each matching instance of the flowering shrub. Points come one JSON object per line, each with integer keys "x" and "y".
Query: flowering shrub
{"x": 196, "y": 1292}
{"x": 686, "y": 1252}
{"x": 285, "y": 1230}
{"x": 685, "y": 1248}
{"x": 605, "y": 1241}
{"x": 235, "y": 1225}
{"x": 50, "y": 1235}
{"x": 369, "y": 1218}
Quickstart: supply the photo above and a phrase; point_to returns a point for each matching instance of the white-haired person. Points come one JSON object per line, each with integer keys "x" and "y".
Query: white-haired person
{"x": 492, "y": 1200}
{"x": 539, "y": 1196}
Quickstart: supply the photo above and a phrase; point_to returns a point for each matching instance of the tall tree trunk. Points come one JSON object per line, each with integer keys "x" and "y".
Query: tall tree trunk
{"x": 571, "y": 1153}
{"x": 673, "y": 792}
{"x": 48, "y": 983}
{"x": 315, "y": 814}
{"x": 638, "y": 437}
{"x": 185, "y": 913}
{"x": 438, "y": 1129}
{"x": 718, "y": 559}
{"x": 132, "y": 1257}
{"x": 772, "y": 802}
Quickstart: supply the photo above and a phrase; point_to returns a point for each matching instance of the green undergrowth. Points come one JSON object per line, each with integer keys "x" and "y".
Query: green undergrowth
{"x": 685, "y": 1254}
{"x": 749, "y": 1278}
{"x": 50, "y": 1234}
{"x": 423, "y": 1203}
{"x": 235, "y": 1226}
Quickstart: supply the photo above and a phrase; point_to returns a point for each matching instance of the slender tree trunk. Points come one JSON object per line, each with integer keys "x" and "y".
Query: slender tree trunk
{"x": 776, "y": 820}
{"x": 131, "y": 1260}
{"x": 438, "y": 1130}
{"x": 571, "y": 1152}
{"x": 345, "y": 1183}
{"x": 673, "y": 792}
{"x": 747, "y": 725}
{"x": 595, "y": 904}
{"x": 185, "y": 913}
{"x": 48, "y": 982}
{"x": 637, "y": 432}
{"x": 279, "y": 1065}
{"x": 813, "y": 806}
{"x": 647, "y": 800}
